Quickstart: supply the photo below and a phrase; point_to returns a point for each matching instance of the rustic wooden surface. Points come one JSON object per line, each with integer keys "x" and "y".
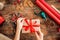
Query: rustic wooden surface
{"x": 26, "y": 9}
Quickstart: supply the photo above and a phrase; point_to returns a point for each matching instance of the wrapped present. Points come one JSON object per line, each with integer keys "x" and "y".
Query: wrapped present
{"x": 31, "y": 25}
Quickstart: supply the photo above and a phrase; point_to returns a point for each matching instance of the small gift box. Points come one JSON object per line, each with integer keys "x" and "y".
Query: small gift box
{"x": 31, "y": 25}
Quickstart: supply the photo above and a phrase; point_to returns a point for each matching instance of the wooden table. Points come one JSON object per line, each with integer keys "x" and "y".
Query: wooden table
{"x": 27, "y": 9}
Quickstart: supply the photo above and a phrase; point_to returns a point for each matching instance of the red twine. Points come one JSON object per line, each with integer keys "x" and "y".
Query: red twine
{"x": 30, "y": 25}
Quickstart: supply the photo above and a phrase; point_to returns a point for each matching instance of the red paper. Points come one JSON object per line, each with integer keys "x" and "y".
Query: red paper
{"x": 47, "y": 11}
{"x": 50, "y": 8}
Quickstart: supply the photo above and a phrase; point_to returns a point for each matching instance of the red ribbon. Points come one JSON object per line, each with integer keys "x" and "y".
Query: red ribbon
{"x": 30, "y": 26}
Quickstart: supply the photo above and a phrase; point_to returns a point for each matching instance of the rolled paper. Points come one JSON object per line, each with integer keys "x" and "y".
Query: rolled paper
{"x": 1, "y": 20}
{"x": 3, "y": 37}
{"x": 48, "y": 12}
{"x": 50, "y": 8}
{"x": 55, "y": 8}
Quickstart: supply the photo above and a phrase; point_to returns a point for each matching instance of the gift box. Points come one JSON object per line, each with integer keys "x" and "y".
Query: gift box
{"x": 31, "y": 25}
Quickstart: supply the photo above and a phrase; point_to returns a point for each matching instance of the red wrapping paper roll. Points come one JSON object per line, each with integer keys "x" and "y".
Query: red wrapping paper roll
{"x": 50, "y": 8}
{"x": 1, "y": 20}
{"x": 48, "y": 12}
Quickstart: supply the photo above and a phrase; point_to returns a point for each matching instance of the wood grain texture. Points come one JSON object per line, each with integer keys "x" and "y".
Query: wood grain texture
{"x": 27, "y": 9}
